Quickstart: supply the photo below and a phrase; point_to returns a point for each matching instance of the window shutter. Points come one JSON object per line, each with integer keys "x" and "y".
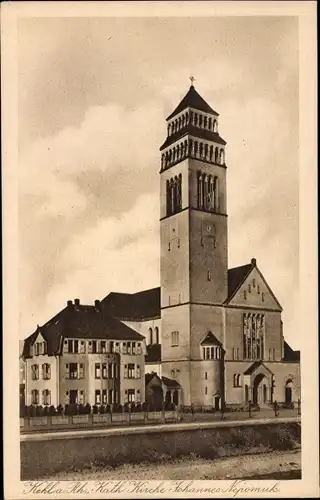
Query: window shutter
{"x": 90, "y": 347}
{"x": 138, "y": 373}
{"x": 81, "y": 370}
{"x": 117, "y": 347}
{"x": 66, "y": 372}
{"x": 125, "y": 371}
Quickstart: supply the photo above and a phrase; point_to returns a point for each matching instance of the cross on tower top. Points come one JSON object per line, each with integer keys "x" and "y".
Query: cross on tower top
{"x": 192, "y": 79}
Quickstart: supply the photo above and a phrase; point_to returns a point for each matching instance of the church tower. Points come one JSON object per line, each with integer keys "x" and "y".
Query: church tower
{"x": 194, "y": 250}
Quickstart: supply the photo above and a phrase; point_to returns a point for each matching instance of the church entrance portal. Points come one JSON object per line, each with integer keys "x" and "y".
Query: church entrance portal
{"x": 259, "y": 394}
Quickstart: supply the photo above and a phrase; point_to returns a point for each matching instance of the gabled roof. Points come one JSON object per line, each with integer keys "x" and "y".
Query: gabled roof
{"x": 210, "y": 339}
{"x": 133, "y": 306}
{"x": 289, "y": 354}
{"x": 153, "y": 353}
{"x": 81, "y": 321}
{"x": 236, "y": 277}
{"x": 170, "y": 383}
{"x": 193, "y": 100}
{"x": 150, "y": 376}
{"x": 199, "y": 133}
{"x": 252, "y": 368}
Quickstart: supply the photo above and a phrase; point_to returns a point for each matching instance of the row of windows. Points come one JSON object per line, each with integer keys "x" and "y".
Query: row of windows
{"x": 153, "y": 336}
{"x": 174, "y": 200}
{"x": 46, "y": 371}
{"x": 194, "y": 119}
{"x": 46, "y": 397}
{"x": 208, "y": 192}
{"x": 236, "y": 354}
{"x": 211, "y": 352}
{"x": 193, "y": 149}
{"x": 101, "y": 346}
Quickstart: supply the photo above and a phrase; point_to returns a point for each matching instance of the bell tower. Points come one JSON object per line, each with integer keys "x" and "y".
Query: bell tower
{"x": 193, "y": 236}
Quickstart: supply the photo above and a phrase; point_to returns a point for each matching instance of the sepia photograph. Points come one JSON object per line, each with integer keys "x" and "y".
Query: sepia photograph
{"x": 159, "y": 260}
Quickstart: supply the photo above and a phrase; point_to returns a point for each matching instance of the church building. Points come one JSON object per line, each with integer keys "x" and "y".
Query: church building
{"x": 209, "y": 335}
{"x": 221, "y": 333}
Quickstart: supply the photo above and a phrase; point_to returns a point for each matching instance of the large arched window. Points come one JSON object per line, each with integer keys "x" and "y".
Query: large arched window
{"x": 174, "y": 195}
{"x": 253, "y": 336}
{"x": 216, "y": 194}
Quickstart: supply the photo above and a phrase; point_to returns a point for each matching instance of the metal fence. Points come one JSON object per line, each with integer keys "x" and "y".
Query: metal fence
{"x": 183, "y": 415}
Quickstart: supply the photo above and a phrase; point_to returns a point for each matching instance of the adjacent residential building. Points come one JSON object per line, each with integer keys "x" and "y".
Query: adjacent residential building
{"x": 208, "y": 335}
{"x": 83, "y": 355}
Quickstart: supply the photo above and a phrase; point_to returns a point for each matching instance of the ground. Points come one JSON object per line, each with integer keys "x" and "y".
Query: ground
{"x": 275, "y": 465}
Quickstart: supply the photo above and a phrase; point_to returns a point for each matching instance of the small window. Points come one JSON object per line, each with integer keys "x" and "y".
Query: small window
{"x": 81, "y": 397}
{"x": 254, "y": 283}
{"x": 206, "y": 390}
{"x": 98, "y": 397}
{"x": 103, "y": 346}
{"x": 262, "y": 297}
{"x": 258, "y": 289}
{"x": 209, "y": 275}
{"x": 245, "y": 295}
{"x": 206, "y": 375}
{"x": 97, "y": 370}
{"x": 175, "y": 338}
{"x": 131, "y": 369}
{"x": 73, "y": 370}
{"x": 249, "y": 288}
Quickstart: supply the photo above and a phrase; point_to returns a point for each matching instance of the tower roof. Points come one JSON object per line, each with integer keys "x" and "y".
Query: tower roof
{"x": 193, "y": 100}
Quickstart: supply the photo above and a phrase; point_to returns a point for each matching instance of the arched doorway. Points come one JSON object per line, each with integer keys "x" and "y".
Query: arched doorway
{"x": 259, "y": 393}
{"x": 288, "y": 391}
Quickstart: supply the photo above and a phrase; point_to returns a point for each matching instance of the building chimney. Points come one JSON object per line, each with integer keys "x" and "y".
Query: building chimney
{"x": 253, "y": 262}
{"x": 69, "y": 304}
{"x": 77, "y": 303}
{"x": 97, "y": 304}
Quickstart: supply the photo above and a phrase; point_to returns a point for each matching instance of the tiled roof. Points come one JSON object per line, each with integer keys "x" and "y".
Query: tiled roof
{"x": 210, "y": 339}
{"x": 82, "y": 321}
{"x": 153, "y": 353}
{"x": 290, "y": 354}
{"x": 193, "y": 100}
{"x": 135, "y": 306}
{"x": 236, "y": 277}
{"x": 170, "y": 383}
{"x": 195, "y": 132}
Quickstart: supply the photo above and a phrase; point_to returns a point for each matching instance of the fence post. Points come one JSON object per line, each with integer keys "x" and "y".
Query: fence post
{"x": 276, "y": 409}
{"x": 163, "y": 413}
{"x": 111, "y": 408}
{"x": 299, "y": 407}
{"x": 222, "y": 410}
{"x": 250, "y": 414}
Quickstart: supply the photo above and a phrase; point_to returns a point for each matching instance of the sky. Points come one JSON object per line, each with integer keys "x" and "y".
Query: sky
{"x": 93, "y": 95}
